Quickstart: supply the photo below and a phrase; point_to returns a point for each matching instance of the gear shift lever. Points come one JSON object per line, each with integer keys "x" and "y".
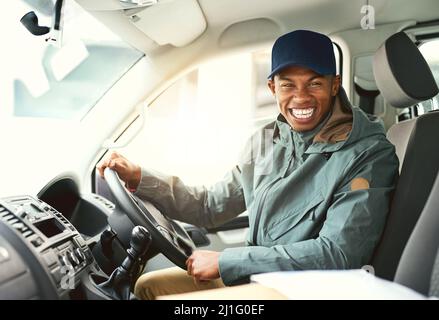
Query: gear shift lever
{"x": 123, "y": 278}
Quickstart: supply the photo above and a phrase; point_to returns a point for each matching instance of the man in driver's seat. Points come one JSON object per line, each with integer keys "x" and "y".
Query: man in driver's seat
{"x": 317, "y": 195}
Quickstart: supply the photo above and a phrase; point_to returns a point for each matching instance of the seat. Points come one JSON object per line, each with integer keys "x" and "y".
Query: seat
{"x": 418, "y": 267}
{"x": 404, "y": 79}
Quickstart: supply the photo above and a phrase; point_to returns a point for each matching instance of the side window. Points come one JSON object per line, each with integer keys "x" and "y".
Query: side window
{"x": 366, "y": 94}
{"x": 197, "y": 127}
{"x": 430, "y": 51}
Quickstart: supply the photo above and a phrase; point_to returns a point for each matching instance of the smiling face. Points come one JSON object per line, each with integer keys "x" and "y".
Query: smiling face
{"x": 304, "y": 97}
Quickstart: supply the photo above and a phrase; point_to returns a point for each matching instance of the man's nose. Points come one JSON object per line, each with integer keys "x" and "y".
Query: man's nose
{"x": 301, "y": 95}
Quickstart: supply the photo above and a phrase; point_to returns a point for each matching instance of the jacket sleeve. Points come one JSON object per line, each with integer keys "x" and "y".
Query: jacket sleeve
{"x": 353, "y": 226}
{"x": 201, "y": 206}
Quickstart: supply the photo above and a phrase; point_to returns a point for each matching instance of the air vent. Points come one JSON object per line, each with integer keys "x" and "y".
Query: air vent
{"x": 15, "y": 222}
{"x": 63, "y": 219}
{"x": 3, "y": 212}
{"x": 104, "y": 201}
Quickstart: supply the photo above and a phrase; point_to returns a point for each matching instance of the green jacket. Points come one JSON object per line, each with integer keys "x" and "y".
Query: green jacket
{"x": 315, "y": 200}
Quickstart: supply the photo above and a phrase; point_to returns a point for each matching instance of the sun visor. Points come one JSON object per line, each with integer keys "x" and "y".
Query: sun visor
{"x": 115, "y": 5}
{"x": 172, "y": 22}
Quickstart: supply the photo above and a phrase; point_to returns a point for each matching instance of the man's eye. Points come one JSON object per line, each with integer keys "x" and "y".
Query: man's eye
{"x": 315, "y": 84}
{"x": 286, "y": 85}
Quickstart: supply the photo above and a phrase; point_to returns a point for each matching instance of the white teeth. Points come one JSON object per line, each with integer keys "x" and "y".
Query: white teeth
{"x": 302, "y": 113}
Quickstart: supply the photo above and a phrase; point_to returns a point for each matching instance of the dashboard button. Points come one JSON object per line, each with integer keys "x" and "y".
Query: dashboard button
{"x": 80, "y": 255}
{"x": 50, "y": 258}
{"x": 79, "y": 241}
{"x": 65, "y": 261}
{"x": 37, "y": 242}
{"x": 73, "y": 259}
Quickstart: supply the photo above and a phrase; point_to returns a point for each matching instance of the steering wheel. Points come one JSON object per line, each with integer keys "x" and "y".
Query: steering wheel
{"x": 167, "y": 235}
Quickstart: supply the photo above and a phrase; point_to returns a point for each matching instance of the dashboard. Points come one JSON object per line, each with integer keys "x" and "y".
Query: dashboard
{"x": 62, "y": 244}
{"x": 40, "y": 245}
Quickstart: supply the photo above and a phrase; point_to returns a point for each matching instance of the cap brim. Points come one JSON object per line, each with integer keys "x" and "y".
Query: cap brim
{"x": 291, "y": 64}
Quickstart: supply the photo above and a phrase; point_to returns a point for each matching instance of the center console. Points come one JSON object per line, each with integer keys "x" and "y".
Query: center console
{"x": 56, "y": 243}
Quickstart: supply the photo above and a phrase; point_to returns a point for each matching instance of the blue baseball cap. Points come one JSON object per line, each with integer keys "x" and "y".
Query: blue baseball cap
{"x": 304, "y": 48}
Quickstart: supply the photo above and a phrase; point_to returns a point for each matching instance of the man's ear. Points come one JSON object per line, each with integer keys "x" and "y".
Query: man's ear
{"x": 271, "y": 86}
{"x": 336, "y": 82}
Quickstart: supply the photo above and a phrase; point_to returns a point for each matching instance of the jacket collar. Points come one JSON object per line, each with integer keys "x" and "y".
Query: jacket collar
{"x": 343, "y": 126}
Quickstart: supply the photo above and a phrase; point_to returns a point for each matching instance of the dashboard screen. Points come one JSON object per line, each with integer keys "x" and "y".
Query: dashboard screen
{"x": 50, "y": 227}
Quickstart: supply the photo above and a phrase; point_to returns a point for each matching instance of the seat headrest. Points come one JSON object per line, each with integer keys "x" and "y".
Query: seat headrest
{"x": 401, "y": 72}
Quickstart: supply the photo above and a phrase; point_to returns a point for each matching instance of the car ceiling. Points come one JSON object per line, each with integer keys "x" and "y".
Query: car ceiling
{"x": 251, "y": 20}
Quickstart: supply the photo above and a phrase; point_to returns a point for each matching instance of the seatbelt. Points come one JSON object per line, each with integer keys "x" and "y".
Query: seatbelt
{"x": 367, "y": 98}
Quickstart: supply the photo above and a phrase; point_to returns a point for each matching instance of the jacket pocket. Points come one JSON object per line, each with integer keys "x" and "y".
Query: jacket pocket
{"x": 298, "y": 217}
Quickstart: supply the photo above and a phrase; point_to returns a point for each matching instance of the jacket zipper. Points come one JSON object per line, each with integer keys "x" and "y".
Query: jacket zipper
{"x": 260, "y": 207}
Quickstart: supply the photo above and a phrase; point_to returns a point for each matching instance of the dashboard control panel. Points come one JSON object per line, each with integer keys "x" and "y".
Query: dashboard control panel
{"x": 55, "y": 241}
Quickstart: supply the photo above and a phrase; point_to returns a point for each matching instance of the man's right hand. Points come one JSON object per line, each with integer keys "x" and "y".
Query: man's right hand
{"x": 129, "y": 172}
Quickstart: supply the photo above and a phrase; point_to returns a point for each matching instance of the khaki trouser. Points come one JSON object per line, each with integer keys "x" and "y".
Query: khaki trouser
{"x": 175, "y": 283}
{"x": 170, "y": 281}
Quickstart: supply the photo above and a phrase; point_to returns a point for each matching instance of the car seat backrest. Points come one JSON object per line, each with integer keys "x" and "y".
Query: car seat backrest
{"x": 434, "y": 281}
{"x": 417, "y": 268}
{"x": 404, "y": 78}
{"x": 399, "y": 135}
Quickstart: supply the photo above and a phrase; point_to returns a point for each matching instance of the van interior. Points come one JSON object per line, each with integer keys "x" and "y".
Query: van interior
{"x": 178, "y": 86}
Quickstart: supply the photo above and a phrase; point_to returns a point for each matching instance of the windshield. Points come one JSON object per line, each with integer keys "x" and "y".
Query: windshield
{"x": 43, "y": 80}
{"x": 46, "y": 91}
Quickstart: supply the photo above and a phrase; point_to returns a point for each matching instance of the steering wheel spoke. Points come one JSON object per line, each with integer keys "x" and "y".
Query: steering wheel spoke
{"x": 167, "y": 235}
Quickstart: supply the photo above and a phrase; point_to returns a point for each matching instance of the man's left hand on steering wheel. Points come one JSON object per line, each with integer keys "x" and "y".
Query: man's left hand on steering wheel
{"x": 168, "y": 236}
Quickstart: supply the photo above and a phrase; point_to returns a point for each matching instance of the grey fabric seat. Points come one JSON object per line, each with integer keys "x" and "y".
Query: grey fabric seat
{"x": 434, "y": 281}
{"x": 418, "y": 268}
{"x": 404, "y": 79}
